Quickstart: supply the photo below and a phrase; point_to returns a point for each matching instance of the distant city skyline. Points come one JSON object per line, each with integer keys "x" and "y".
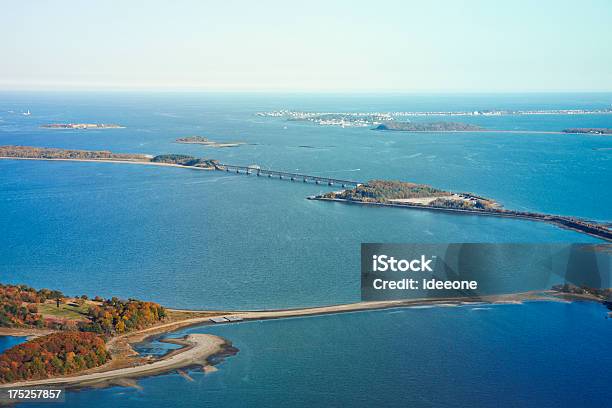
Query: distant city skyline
{"x": 340, "y": 46}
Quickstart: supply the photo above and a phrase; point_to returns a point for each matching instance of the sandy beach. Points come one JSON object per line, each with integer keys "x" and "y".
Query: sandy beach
{"x": 198, "y": 347}
{"x": 24, "y": 332}
{"x": 377, "y": 305}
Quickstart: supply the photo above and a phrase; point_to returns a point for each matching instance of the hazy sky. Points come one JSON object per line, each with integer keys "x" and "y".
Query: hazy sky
{"x": 311, "y": 45}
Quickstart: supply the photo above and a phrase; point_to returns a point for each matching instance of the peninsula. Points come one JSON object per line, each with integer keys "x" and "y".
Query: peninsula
{"x": 77, "y": 340}
{"x": 420, "y": 196}
{"x": 206, "y": 142}
{"x": 83, "y": 126}
{"x": 102, "y": 332}
{"x": 46, "y": 153}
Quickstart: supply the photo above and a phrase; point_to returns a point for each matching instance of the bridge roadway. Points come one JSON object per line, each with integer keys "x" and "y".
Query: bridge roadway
{"x": 282, "y": 175}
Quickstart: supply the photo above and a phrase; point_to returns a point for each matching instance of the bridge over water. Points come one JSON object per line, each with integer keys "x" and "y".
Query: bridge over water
{"x": 283, "y": 175}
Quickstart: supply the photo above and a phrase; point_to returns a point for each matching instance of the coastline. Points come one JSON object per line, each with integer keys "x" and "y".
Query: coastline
{"x": 145, "y": 163}
{"x": 24, "y": 332}
{"x": 543, "y": 132}
{"x": 198, "y": 348}
{"x": 555, "y": 220}
{"x": 564, "y": 222}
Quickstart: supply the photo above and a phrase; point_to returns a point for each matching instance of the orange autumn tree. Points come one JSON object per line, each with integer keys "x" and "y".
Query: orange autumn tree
{"x": 115, "y": 316}
{"x": 53, "y": 355}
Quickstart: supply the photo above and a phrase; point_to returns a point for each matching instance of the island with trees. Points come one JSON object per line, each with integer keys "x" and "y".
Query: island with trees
{"x": 420, "y": 196}
{"x": 404, "y": 193}
{"x": 47, "y": 153}
{"x": 30, "y": 152}
{"x": 206, "y": 142}
{"x": 91, "y": 339}
{"x": 184, "y": 160}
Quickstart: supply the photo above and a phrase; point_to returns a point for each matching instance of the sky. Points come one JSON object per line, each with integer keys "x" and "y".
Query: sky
{"x": 271, "y": 45}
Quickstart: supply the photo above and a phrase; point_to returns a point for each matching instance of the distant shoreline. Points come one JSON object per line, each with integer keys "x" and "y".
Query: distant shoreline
{"x": 543, "y": 132}
{"x": 146, "y": 163}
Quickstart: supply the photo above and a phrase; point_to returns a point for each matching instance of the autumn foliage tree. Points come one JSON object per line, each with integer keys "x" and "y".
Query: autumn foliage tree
{"x": 80, "y": 343}
{"x": 18, "y": 305}
{"x": 18, "y": 308}
{"x": 115, "y": 316}
{"x": 53, "y": 355}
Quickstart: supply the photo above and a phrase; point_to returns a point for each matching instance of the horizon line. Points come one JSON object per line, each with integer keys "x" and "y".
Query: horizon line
{"x": 300, "y": 90}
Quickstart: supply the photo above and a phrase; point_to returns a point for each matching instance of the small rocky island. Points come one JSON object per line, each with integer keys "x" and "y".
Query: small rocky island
{"x": 206, "y": 142}
{"x": 428, "y": 127}
{"x": 591, "y": 131}
{"x": 83, "y": 126}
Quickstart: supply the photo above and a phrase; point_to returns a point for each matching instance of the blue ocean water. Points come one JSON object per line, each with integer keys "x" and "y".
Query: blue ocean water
{"x": 531, "y": 355}
{"x": 210, "y": 240}
{"x": 6, "y": 342}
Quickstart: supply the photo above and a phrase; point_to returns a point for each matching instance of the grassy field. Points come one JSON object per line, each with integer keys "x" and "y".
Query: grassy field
{"x": 64, "y": 311}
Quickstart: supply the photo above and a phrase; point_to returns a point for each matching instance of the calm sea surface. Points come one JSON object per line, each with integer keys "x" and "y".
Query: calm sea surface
{"x": 200, "y": 239}
{"x": 531, "y": 355}
{"x": 207, "y": 239}
{"x": 6, "y": 342}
